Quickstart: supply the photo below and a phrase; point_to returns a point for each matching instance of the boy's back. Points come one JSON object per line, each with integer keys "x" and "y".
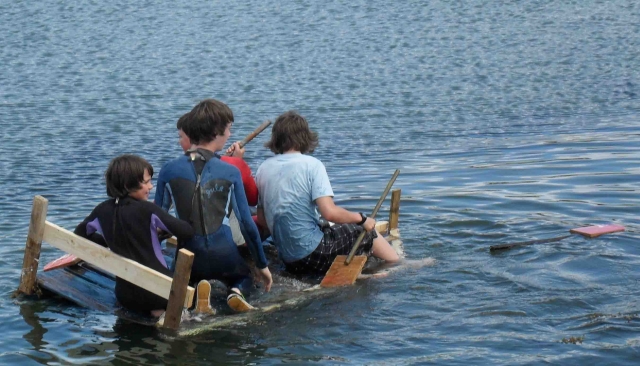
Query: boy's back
{"x": 288, "y": 185}
{"x": 206, "y": 206}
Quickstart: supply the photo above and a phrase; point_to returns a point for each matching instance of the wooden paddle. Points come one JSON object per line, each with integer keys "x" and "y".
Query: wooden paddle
{"x": 587, "y": 231}
{"x": 70, "y": 260}
{"x": 253, "y": 134}
{"x": 345, "y": 269}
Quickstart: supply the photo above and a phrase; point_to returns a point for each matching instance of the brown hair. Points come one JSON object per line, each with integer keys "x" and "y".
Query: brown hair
{"x": 291, "y": 131}
{"x": 207, "y": 120}
{"x": 124, "y": 175}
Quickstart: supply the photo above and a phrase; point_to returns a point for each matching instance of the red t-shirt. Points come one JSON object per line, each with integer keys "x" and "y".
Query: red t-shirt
{"x": 250, "y": 188}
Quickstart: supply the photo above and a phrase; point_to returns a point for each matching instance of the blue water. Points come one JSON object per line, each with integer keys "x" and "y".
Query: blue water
{"x": 509, "y": 122}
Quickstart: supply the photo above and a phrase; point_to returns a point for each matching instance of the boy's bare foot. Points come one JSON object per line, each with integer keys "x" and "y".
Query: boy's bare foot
{"x": 203, "y": 306}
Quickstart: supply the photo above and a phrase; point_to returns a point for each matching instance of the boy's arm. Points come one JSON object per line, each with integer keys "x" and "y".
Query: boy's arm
{"x": 247, "y": 226}
{"x": 250, "y": 187}
{"x": 261, "y": 218}
{"x": 180, "y": 228}
{"x": 90, "y": 229}
{"x": 163, "y": 196}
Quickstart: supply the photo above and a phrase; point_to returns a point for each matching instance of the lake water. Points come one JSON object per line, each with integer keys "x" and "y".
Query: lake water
{"x": 509, "y": 122}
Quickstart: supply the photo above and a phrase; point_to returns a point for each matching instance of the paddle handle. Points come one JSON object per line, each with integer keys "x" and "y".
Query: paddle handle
{"x": 253, "y": 134}
{"x": 373, "y": 216}
{"x": 494, "y": 248}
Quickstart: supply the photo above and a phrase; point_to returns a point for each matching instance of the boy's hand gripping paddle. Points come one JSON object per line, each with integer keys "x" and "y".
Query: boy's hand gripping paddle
{"x": 253, "y": 134}
{"x": 345, "y": 269}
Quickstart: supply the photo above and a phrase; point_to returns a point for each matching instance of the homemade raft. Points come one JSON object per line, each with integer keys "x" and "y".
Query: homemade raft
{"x": 91, "y": 282}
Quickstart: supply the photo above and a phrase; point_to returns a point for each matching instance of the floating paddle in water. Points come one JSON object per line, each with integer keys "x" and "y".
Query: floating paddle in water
{"x": 345, "y": 269}
{"x": 587, "y": 231}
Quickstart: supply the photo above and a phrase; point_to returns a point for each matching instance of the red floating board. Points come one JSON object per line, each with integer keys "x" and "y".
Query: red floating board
{"x": 64, "y": 261}
{"x": 597, "y": 230}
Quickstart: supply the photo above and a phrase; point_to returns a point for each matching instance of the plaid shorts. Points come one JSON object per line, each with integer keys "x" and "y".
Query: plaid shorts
{"x": 337, "y": 240}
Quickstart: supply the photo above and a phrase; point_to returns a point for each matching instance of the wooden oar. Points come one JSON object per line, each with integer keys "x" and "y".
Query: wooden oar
{"x": 587, "y": 231}
{"x": 345, "y": 270}
{"x": 253, "y": 134}
{"x": 69, "y": 259}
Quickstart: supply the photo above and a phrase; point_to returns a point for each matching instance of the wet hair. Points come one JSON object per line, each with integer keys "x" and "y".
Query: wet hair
{"x": 207, "y": 120}
{"x": 125, "y": 174}
{"x": 291, "y": 131}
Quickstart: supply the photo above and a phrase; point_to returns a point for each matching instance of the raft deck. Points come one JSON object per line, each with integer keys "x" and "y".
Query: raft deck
{"x": 92, "y": 287}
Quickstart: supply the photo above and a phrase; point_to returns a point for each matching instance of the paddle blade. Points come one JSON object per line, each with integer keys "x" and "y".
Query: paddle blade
{"x": 343, "y": 275}
{"x": 64, "y": 261}
{"x": 597, "y": 230}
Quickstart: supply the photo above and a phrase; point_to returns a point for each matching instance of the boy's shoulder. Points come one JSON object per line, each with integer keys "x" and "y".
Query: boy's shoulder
{"x": 173, "y": 165}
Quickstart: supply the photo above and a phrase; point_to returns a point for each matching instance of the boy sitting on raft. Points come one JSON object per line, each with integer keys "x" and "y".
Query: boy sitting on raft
{"x": 233, "y": 157}
{"x": 128, "y": 224}
{"x": 293, "y": 188}
{"x": 205, "y": 190}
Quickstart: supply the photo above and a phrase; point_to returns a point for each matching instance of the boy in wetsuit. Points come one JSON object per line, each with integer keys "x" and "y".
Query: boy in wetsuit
{"x": 205, "y": 190}
{"x": 236, "y": 153}
{"x": 128, "y": 224}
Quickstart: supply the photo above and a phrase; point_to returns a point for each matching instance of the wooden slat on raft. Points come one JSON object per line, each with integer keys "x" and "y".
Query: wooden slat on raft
{"x": 33, "y": 246}
{"x": 102, "y": 257}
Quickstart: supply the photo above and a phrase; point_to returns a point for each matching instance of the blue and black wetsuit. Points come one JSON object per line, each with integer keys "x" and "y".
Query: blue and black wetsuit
{"x": 130, "y": 229}
{"x": 205, "y": 190}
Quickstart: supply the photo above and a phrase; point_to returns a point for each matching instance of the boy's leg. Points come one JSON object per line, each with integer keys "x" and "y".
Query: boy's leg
{"x": 383, "y": 250}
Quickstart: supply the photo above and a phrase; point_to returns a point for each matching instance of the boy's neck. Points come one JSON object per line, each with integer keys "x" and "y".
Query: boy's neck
{"x": 211, "y": 146}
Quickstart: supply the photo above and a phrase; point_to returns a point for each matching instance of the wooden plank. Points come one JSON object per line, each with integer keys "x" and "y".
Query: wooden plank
{"x": 102, "y": 257}
{"x": 394, "y": 211}
{"x": 79, "y": 290}
{"x": 342, "y": 275}
{"x": 172, "y": 241}
{"x": 382, "y": 227}
{"x": 181, "y": 275}
{"x": 62, "y": 262}
{"x": 33, "y": 246}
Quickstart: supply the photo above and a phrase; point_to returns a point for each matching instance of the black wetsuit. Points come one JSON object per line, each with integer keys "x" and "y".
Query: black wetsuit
{"x": 134, "y": 236}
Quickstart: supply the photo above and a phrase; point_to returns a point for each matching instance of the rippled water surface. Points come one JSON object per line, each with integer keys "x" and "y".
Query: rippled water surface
{"x": 509, "y": 122}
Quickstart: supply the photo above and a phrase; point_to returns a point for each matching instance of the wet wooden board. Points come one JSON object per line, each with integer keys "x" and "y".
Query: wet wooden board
{"x": 78, "y": 285}
{"x": 64, "y": 261}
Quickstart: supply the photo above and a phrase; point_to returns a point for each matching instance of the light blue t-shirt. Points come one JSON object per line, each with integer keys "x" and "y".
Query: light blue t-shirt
{"x": 288, "y": 185}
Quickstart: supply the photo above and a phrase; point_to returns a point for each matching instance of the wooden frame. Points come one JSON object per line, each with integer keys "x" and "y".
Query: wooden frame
{"x": 175, "y": 290}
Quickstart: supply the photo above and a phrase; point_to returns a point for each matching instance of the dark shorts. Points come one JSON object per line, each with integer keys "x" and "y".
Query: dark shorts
{"x": 337, "y": 240}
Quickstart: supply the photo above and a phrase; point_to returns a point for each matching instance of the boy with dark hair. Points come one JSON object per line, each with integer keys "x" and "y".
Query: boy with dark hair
{"x": 127, "y": 223}
{"x": 293, "y": 187}
{"x": 205, "y": 191}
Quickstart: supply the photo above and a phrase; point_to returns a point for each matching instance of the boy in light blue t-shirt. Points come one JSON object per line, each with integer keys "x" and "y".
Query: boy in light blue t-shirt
{"x": 293, "y": 187}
